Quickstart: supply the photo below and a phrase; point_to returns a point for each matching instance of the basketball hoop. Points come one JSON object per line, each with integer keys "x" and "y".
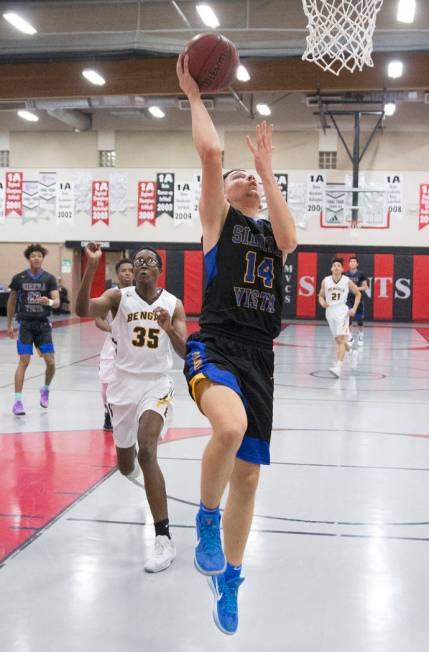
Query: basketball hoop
{"x": 340, "y": 33}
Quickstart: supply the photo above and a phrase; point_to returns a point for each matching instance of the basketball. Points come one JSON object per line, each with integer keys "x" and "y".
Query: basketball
{"x": 213, "y": 61}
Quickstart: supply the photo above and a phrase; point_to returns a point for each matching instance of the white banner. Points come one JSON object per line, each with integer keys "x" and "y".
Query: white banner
{"x": 316, "y": 183}
{"x": 65, "y": 202}
{"x": 394, "y": 185}
{"x": 47, "y": 195}
{"x": 184, "y": 201}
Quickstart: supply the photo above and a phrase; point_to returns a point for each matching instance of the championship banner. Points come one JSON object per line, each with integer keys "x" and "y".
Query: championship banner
{"x": 47, "y": 195}
{"x": 13, "y": 194}
{"x": 165, "y": 194}
{"x": 64, "y": 211}
{"x": 333, "y": 214}
{"x": 146, "y": 202}
{"x": 100, "y": 202}
{"x": 30, "y": 200}
{"x": 316, "y": 182}
{"x": 183, "y": 203}
{"x": 282, "y": 182}
{"x": 423, "y": 206}
{"x": 394, "y": 185}
{"x": 2, "y": 186}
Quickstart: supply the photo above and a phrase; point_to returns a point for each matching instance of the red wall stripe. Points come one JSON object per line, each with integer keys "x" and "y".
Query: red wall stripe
{"x": 307, "y": 290}
{"x": 193, "y": 282}
{"x": 161, "y": 280}
{"x": 99, "y": 282}
{"x": 420, "y": 310}
{"x": 382, "y": 289}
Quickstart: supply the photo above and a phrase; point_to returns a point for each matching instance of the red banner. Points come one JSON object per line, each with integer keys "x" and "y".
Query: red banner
{"x": 146, "y": 202}
{"x": 383, "y": 288}
{"x": 13, "y": 193}
{"x": 423, "y": 206}
{"x": 100, "y": 202}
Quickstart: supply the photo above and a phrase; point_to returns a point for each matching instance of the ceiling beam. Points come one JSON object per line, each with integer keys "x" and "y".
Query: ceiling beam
{"x": 156, "y": 76}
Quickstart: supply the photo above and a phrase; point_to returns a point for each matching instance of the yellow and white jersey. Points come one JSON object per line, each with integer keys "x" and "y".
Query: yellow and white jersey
{"x": 142, "y": 347}
{"x": 336, "y": 293}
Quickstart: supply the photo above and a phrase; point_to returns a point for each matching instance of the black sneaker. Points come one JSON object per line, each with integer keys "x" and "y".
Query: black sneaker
{"x": 107, "y": 421}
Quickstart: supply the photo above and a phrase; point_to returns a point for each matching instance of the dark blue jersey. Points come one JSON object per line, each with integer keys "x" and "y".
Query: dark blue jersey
{"x": 28, "y": 289}
{"x": 358, "y": 278}
{"x": 244, "y": 290}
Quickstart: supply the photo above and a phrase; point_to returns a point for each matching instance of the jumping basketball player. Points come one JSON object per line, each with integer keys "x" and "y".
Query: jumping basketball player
{"x": 230, "y": 362}
{"x": 333, "y": 297}
{"x": 124, "y": 273}
{"x": 33, "y": 295}
{"x": 361, "y": 281}
{"x": 147, "y": 320}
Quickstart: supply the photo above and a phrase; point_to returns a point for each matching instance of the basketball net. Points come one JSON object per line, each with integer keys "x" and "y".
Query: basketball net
{"x": 340, "y": 33}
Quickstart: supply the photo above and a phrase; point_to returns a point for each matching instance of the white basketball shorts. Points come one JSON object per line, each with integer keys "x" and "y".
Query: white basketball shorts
{"x": 130, "y": 396}
{"x": 338, "y": 320}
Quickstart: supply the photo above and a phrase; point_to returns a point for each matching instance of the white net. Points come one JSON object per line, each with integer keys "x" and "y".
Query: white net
{"x": 340, "y": 33}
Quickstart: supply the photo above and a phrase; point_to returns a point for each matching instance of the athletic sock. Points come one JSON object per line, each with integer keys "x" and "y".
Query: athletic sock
{"x": 45, "y": 388}
{"x": 18, "y": 396}
{"x": 205, "y": 510}
{"x": 232, "y": 572}
{"x": 162, "y": 528}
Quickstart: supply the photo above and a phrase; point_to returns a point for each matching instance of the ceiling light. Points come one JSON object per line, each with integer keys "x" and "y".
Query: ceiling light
{"x": 208, "y": 16}
{"x": 156, "y": 112}
{"x": 406, "y": 11}
{"x": 28, "y": 115}
{"x": 389, "y": 108}
{"x": 263, "y": 109}
{"x": 395, "y": 69}
{"x": 93, "y": 76}
{"x": 242, "y": 73}
{"x": 19, "y": 23}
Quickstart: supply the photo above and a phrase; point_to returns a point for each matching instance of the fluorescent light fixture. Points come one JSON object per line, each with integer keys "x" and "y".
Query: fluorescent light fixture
{"x": 406, "y": 11}
{"x": 263, "y": 109}
{"x": 93, "y": 76}
{"x": 156, "y": 112}
{"x": 389, "y": 108}
{"x": 242, "y": 73}
{"x": 28, "y": 115}
{"x": 19, "y": 23}
{"x": 208, "y": 16}
{"x": 395, "y": 69}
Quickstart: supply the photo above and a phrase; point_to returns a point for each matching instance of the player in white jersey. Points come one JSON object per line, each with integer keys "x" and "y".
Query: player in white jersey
{"x": 124, "y": 273}
{"x": 333, "y": 297}
{"x": 147, "y": 320}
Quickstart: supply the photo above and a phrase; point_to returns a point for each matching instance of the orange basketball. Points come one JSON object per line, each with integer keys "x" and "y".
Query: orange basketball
{"x": 213, "y": 61}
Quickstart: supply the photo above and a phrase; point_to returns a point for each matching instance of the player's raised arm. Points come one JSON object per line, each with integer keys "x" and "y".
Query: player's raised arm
{"x": 86, "y": 307}
{"x": 213, "y": 205}
{"x": 280, "y": 216}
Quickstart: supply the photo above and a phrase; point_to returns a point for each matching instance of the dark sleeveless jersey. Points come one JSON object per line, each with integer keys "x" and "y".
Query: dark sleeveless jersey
{"x": 358, "y": 278}
{"x": 244, "y": 289}
{"x": 28, "y": 289}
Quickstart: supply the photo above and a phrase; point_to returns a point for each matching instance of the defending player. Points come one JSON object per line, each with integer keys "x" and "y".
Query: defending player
{"x": 147, "y": 320}
{"x": 124, "y": 273}
{"x": 361, "y": 281}
{"x": 333, "y": 297}
{"x": 33, "y": 295}
{"x": 230, "y": 362}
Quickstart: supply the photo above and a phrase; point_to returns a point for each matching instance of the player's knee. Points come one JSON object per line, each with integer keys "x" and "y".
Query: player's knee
{"x": 248, "y": 479}
{"x": 24, "y": 361}
{"x": 230, "y": 437}
{"x": 147, "y": 452}
{"x": 50, "y": 363}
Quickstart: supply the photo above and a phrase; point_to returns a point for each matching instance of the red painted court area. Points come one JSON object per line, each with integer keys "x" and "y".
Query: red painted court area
{"x": 43, "y": 473}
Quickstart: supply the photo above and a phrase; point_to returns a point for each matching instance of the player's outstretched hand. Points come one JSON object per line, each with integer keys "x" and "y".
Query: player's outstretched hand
{"x": 263, "y": 150}
{"x": 93, "y": 253}
{"x": 163, "y": 318}
{"x": 186, "y": 82}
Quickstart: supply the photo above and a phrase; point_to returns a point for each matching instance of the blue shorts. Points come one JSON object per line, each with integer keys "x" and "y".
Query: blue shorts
{"x": 246, "y": 369}
{"x": 37, "y": 332}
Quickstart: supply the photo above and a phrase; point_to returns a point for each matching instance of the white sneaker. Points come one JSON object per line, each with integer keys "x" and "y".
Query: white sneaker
{"x": 335, "y": 371}
{"x": 163, "y": 555}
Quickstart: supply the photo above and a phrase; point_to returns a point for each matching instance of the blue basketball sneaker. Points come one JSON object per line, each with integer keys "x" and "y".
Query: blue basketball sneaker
{"x": 209, "y": 558}
{"x": 225, "y": 612}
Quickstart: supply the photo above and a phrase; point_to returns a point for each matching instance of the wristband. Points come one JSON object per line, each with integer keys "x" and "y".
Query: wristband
{"x": 50, "y": 302}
